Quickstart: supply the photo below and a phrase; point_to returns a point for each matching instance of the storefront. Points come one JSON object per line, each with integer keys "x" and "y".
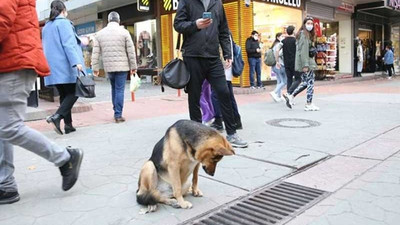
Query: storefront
{"x": 87, "y": 31}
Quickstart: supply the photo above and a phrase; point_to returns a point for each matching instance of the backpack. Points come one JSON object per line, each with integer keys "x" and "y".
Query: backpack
{"x": 238, "y": 63}
{"x": 269, "y": 58}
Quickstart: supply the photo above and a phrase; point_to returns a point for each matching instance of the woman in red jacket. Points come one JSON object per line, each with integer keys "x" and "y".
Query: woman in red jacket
{"x": 21, "y": 59}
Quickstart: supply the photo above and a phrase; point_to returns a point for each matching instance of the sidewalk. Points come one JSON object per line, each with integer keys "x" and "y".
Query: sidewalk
{"x": 353, "y": 145}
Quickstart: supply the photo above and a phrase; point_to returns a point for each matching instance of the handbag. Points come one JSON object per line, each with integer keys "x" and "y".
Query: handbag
{"x": 85, "y": 86}
{"x": 175, "y": 74}
{"x": 135, "y": 82}
{"x": 312, "y": 51}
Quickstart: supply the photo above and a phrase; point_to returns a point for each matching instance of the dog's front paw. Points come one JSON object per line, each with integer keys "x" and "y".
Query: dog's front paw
{"x": 197, "y": 193}
{"x": 185, "y": 205}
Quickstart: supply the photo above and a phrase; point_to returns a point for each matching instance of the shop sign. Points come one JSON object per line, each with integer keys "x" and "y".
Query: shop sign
{"x": 170, "y": 5}
{"x": 143, "y": 5}
{"x": 86, "y": 28}
{"x": 395, "y": 4}
{"x": 346, "y": 7}
{"x": 291, "y": 3}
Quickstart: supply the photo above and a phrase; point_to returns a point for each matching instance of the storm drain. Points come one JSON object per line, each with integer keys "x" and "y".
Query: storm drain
{"x": 273, "y": 205}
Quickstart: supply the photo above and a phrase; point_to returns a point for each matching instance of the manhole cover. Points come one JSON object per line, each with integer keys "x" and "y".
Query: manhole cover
{"x": 293, "y": 123}
{"x": 273, "y": 205}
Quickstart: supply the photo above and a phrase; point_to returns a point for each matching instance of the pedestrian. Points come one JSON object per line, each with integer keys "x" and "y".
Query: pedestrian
{"x": 22, "y": 59}
{"x": 388, "y": 60}
{"x": 360, "y": 58}
{"x": 289, "y": 55}
{"x": 217, "y": 124}
{"x": 305, "y": 63}
{"x": 63, "y": 52}
{"x": 119, "y": 59}
{"x": 206, "y": 104}
{"x": 254, "y": 56}
{"x": 278, "y": 68}
{"x": 201, "y": 57}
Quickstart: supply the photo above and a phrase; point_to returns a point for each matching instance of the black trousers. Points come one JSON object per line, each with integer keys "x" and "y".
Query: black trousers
{"x": 212, "y": 70}
{"x": 389, "y": 68}
{"x": 67, "y": 101}
{"x": 292, "y": 85}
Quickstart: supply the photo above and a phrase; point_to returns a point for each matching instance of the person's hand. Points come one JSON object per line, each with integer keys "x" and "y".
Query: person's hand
{"x": 278, "y": 65}
{"x": 258, "y": 50}
{"x": 228, "y": 63}
{"x": 133, "y": 72}
{"x": 305, "y": 69}
{"x": 96, "y": 73}
{"x": 203, "y": 23}
{"x": 79, "y": 66}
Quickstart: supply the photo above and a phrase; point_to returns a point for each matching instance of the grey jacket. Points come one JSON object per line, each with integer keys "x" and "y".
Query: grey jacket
{"x": 302, "y": 54}
{"x": 115, "y": 45}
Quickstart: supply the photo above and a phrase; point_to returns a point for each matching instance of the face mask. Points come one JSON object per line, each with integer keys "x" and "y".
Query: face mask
{"x": 309, "y": 27}
{"x": 255, "y": 38}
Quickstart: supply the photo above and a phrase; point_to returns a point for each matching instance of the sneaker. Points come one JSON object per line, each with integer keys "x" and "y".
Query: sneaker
{"x": 288, "y": 99}
{"x": 70, "y": 170}
{"x": 8, "y": 197}
{"x": 120, "y": 120}
{"x": 236, "y": 142}
{"x": 217, "y": 125}
{"x": 208, "y": 123}
{"x": 274, "y": 96}
{"x": 252, "y": 87}
{"x": 389, "y": 78}
{"x": 311, "y": 107}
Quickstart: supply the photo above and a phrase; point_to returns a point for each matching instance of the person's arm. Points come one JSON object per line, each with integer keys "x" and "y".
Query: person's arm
{"x": 224, "y": 36}
{"x": 8, "y": 14}
{"x": 95, "y": 54}
{"x": 69, "y": 42}
{"x": 182, "y": 23}
{"x": 130, "y": 49}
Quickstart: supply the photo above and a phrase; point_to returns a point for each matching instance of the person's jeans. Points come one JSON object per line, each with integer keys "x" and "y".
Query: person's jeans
{"x": 281, "y": 80}
{"x": 389, "y": 69}
{"x": 215, "y": 102}
{"x": 67, "y": 101}
{"x": 117, "y": 80}
{"x": 14, "y": 91}
{"x": 255, "y": 66}
{"x": 212, "y": 70}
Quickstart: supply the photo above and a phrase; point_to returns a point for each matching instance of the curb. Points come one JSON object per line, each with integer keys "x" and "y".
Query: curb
{"x": 33, "y": 114}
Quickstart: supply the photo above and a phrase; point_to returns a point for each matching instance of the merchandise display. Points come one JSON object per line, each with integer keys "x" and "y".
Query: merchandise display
{"x": 326, "y": 54}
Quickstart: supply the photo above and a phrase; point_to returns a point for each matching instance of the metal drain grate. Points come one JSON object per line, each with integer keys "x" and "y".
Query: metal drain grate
{"x": 273, "y": 205}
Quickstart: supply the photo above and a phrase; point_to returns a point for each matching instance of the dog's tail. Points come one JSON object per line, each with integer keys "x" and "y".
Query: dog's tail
{"x": 147, "y": 198}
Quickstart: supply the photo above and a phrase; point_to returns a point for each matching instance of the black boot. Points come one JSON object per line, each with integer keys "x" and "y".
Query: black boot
{"x": 55, "y": 120}
{"x": 238, "y": 123}
{"x": 69, "y": 128}
{"x": 217, "y": 124}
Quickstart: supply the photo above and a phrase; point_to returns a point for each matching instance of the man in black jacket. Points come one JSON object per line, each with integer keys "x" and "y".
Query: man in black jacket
{"x": 202, "y": 38}
{"x": 289, "y": 56}
{"x": 254, "y": 55}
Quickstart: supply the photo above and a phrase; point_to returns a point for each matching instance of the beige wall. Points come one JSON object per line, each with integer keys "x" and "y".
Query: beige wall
{"x": 345, "y": 43}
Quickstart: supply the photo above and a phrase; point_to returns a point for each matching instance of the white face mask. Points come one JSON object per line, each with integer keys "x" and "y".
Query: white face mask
{"x": 255, "y": 38}
{"x": 309, "y": 27}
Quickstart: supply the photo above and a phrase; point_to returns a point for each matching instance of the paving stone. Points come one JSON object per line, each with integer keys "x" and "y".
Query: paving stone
{"x": 379, "y": 148}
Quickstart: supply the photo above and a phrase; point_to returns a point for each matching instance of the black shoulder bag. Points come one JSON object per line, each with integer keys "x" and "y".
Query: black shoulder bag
{"x": 175, "y": 74}
{"x": 85, "y": 86}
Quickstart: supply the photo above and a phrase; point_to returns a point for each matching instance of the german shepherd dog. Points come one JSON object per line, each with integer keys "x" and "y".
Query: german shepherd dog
{"x": 185, "y": 146}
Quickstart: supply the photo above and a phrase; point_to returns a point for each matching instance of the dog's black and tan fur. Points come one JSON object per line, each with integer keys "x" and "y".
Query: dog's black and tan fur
{"x": 175, "y": 157}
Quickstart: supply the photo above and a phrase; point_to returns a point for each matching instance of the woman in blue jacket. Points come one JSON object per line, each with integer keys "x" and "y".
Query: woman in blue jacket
{"x": 389, "y": 60}
{"x": 62, "y": 49}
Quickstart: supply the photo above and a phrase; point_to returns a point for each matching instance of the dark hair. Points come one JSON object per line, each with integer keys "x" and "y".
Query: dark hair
{"x": 254, "y": 32}
{"x": 56, "y": 8}
{"x": 309, "y": 34}
{"x": 290, "y": 30}
{"x": 276, "y": 39}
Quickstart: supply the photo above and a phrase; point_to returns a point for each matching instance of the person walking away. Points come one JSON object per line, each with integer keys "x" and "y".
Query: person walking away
{"x": 217, "y": 124}
{"x": 254, "y": 56}
{"x": 360, "y": 57}
{"x": 206, "y": 104}
{"x": 63, "y": 52}
{"x": 202, "y": 38}
{"x": 305, "y": 63}
{"x": 22, "y": 59}
{"x": 115, "y": 45}
{"x": 389, "y": 60}
{"x": 289, "y": 55}
{"x": 278, "y": 68}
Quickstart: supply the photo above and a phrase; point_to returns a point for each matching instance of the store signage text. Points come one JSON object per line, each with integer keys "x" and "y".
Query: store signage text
{"x": 347, "y": 7}
{"x": 143, "y": 5}
{"x": 292, "y": 3}
{"x": 86, "y": 28}
{"x": 395, "y": 4}
{"x": 170, "y": 5}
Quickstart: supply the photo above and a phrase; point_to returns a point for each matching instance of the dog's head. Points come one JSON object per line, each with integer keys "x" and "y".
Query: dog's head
{"x": 212, "y": 151}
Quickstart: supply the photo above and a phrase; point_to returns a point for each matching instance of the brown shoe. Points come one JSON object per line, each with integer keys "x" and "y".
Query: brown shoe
{"x": 120, "y": 120}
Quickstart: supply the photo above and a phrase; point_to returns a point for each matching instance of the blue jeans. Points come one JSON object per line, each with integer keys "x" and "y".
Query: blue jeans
{"x": 117, "y": 80}
{"x": 281, "y": 79}
{"x": 255, "y": 66}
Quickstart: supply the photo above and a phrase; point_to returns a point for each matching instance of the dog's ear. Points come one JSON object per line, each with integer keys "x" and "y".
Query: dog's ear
{"x": 225, "y": 151}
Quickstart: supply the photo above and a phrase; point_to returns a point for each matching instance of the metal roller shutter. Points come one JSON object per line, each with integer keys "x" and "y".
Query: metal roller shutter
{"x": 320, "y": 11}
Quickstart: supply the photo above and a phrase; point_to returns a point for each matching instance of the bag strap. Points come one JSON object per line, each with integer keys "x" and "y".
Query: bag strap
{"x": 178, "y": 45}
{"x": 81, "y": 71}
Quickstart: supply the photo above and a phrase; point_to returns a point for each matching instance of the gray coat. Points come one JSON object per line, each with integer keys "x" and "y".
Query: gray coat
{"x": 302, "y": 54}
{"x": 115, "y": 45}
